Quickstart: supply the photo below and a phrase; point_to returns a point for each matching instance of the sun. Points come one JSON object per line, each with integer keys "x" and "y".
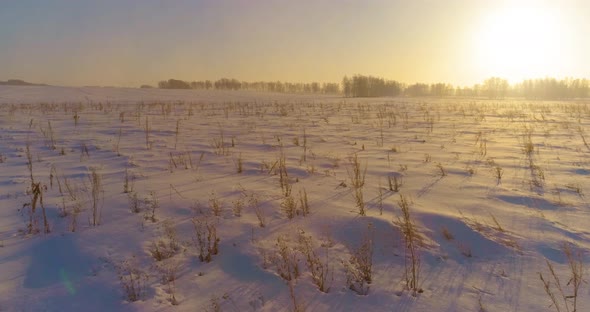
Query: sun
{"x": 518, "y": 43}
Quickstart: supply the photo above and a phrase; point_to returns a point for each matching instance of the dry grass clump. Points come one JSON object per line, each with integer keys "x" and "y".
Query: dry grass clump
{"x": 128, "y": 182}
{"x": 564, "y": 297}
{"x": 35, "y": 190}
{"x": 96, "y": 190}
{"x": 167, "y": 246}
{"x": 303, "y": 202}
{"x": 286, "y": 186}
{"x": 289, "y": 206}
{"x": 238, "y": 206}
{"x": 36, "y": 193}
{"x": 320, "y": 270}
{"x": 357, "y": 174}
{"x": 238, "y": 163}
{"x": 220, "y": 147}
{"x": 359, "y": 268}
{"x": 152, "y": 203}
{"x": 394, "y": 183}
{"x": 180, "y": 159}
{"x": 441, "y": 170}
{"x": 285, "y": 260}
{"x": 413, "y": 241}
{"x": 205, "y": 238}
{"x": 215, "y": 204}
{"x": 254, "y": 204}
{"x": 133, "y": 279}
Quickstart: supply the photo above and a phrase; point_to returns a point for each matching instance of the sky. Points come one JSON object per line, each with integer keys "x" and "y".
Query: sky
{"x": 134, "y": 42}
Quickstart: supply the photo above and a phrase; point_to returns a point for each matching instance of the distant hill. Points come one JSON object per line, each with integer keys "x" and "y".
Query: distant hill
{"x": 18, "y": 82}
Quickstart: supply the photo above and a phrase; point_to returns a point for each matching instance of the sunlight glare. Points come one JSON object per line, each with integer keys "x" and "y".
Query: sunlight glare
{"x": 518, "y": 43}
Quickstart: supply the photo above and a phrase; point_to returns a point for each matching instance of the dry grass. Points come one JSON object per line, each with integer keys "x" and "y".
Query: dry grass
{"x": 394, "y": 183}
{"x": 447, "y": 234}
{"x": 564, "y": 297}
{"x": 359, "y": 268}
{"x": 357, "y": 174}
{"x": 205, "y": 238}
{"x": 215, "y": 204}
{"x": 152, "y": 203}
{"x": 133, "y": 279}
{"x": 96, "y": 190}
{"x": 289, "y": 206}
{"x": 413, "y": 241}
{"x": 285, "y": 260}
{"x": 303, "y": 202}
{"x": 320, "y": 270}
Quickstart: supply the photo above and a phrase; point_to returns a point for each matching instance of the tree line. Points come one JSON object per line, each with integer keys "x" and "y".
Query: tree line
{"x": 269, "y": 86}
{"x": 18, "y": 82}
{"x": 370, "y": 86}
{"x": 492, "y": 88}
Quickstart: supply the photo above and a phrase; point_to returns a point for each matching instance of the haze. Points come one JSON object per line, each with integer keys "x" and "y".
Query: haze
{"x": 129, "y": 43}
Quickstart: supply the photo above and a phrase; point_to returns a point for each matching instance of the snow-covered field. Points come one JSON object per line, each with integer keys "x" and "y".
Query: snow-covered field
{"x": 136, "y": 184}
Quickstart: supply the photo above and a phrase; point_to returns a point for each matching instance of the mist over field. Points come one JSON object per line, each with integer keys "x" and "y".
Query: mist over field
{"x": 294, "y": 156}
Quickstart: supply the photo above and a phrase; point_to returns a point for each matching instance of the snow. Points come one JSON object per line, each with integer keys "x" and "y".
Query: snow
{"x": 447, "y": 153}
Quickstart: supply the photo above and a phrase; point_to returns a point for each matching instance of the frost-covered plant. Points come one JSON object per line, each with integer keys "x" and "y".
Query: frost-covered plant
{"x": 359, "y": 268}
{"x": 152, "y": 204}
{"x": 285, "y": 260}
{"x": 133, "y": 279}
{"x": 357, "y": 179}
{"x": 205, "y": 238}
{"x": 215, "y": 204}
{"x": 320, "y": 269}
{"x": 289, "y": 206}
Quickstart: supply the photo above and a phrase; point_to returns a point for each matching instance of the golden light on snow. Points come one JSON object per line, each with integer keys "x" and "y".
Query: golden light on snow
{"x": 519, "y": 43}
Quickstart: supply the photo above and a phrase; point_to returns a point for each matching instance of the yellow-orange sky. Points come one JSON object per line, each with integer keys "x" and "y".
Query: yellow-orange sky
{"x": 133, "y": 42}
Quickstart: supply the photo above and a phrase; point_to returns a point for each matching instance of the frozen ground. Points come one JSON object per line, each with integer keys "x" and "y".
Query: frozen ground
{"x": 496, "y": 189}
